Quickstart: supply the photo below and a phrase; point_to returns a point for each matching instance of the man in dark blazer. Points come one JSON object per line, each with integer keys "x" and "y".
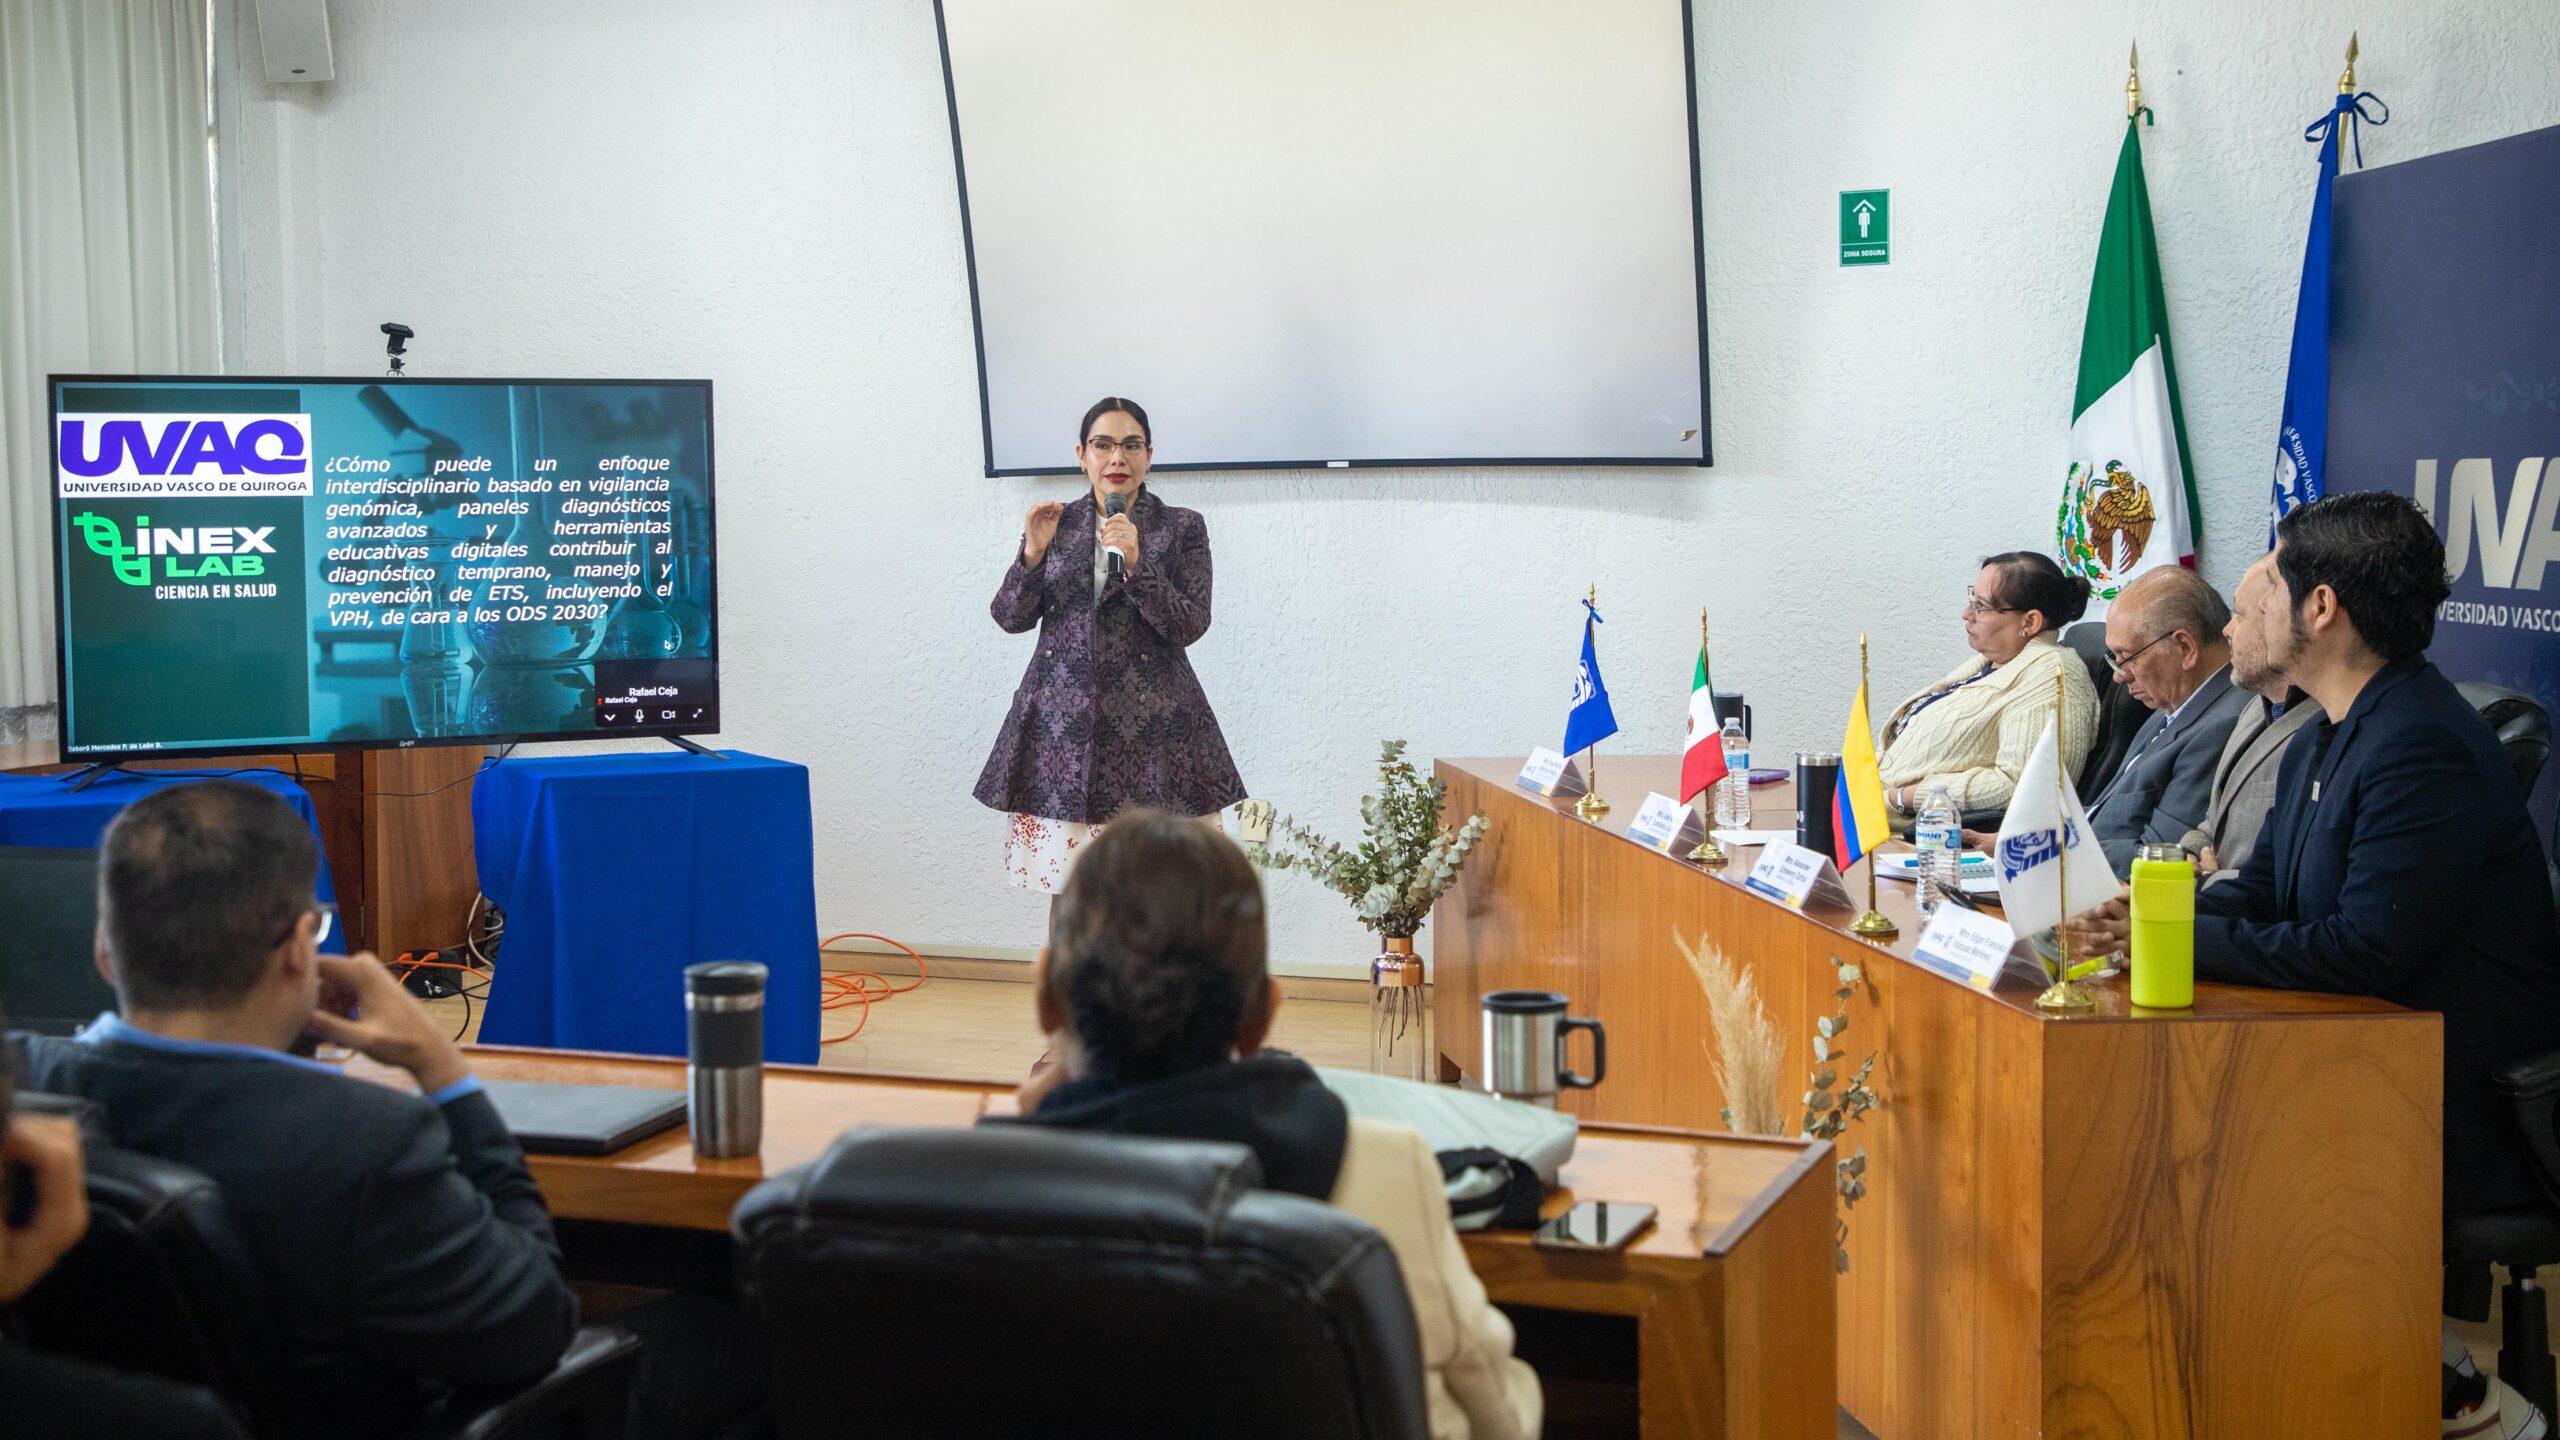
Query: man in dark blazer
{"x": 408, "y": 1249}
{"x": 2166, "y": 646}
{"x": 2398, "y": 861}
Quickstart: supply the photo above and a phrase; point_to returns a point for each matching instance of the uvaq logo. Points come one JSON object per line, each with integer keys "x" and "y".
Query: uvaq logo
{"x": 178, "y": 454}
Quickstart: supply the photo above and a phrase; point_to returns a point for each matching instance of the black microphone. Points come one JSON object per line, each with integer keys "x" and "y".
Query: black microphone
{"x": 1115, "y": 505}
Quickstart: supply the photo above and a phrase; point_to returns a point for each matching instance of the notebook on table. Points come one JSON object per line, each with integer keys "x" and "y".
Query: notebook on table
{"x": 553, "y": 1119}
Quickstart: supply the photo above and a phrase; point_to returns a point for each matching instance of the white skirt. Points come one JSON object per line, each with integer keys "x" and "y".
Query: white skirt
{"x": 1038, "y": 851}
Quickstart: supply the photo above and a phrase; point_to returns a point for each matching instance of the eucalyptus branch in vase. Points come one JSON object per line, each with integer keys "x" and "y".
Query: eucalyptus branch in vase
{"x": 1405, "y": 859}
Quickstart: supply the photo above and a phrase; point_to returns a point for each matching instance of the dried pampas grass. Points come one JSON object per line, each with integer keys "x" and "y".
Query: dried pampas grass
{"x": 1745, "y": 1052}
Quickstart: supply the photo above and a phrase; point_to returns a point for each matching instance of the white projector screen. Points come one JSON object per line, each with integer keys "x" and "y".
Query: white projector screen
{"x": 1329, "y": 232}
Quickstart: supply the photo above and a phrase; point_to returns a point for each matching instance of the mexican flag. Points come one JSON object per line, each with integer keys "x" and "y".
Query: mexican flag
{"x": 2129, "y": 502}
{"x": 1702, "y": 762}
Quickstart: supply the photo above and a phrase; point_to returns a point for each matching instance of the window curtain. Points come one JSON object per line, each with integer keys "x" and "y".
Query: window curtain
{"x": 106, "y": 259}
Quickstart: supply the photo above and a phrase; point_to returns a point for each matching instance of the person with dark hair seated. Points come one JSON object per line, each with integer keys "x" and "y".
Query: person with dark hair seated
{"x": 408, "y": 1250}
{"x": 55, "y": 1396}
{"x": 1972, "y": 731}
{"x": 2398, "y": 861}
{"x": 1157, "y": 999}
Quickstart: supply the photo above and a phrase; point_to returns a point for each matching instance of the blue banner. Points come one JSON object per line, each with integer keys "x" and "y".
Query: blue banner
{"x": 2444, "y": 384}
{"x": 1591, "y": 720}
{"x": 2302, "y": 440}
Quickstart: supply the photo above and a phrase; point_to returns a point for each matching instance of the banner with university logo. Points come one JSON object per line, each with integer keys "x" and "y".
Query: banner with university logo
{"x": 2129, "y": 497}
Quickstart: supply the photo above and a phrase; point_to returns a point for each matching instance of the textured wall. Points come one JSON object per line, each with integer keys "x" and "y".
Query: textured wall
{"x": 763, "y": 194}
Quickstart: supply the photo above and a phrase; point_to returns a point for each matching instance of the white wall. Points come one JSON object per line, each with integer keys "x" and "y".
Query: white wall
{"x": 763, "y": 194}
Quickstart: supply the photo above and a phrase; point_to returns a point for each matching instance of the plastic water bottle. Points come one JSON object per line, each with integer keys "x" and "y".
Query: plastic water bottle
{"x": 1939, "y": 836}
{"x": 1733, "y": 792}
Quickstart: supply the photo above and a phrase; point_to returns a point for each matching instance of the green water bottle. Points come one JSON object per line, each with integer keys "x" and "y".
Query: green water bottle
{"x": 2164, "y": 928}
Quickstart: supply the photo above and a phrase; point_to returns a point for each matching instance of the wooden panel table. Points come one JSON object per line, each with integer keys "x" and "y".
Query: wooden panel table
{"x": 1730, "y": 1292}
{"x": 2221, "y": 1222}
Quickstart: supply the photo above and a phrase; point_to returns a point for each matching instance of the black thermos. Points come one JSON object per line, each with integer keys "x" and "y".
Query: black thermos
{"x": 724, "y": 1054}
{"x": 1816, "y": 777}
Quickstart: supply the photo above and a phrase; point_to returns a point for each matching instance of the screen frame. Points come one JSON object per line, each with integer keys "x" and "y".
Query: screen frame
{"x": 1698, "y": 263}
{"x": 112, "y": 754}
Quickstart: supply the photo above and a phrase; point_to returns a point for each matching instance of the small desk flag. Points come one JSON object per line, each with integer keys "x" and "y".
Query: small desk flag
{"x": 1858, "y": 821}
{"x": 1702, "y": 763}
{"x": 2045, "y": 835}
{"x": 1591, "y": 721}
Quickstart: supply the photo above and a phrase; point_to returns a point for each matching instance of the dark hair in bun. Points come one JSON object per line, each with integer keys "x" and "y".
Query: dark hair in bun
{"x": 2031, "y": 581}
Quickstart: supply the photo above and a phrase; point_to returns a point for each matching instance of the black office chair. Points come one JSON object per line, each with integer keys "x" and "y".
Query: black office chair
{"x": 2119, "y": 714}
{"x": 163, "y": 1285}
{"x": 1015, "y": 1281}
{"x": 2523, "y": 726}
{"x": 2523, "y": 1240}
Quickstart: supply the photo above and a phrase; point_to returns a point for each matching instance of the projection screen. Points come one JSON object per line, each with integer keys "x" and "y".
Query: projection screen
{"x": 1334, "y": 232}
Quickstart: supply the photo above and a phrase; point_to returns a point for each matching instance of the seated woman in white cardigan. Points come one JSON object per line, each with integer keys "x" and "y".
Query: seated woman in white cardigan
{"x": 1973, "y": 730}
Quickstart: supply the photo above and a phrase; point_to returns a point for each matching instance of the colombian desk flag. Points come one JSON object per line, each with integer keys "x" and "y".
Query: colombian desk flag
{"x": 1591, "y": 720}
{"x": 1702, "y": 764}
{"x": 1858, "y": 822}
{"x": 2129, "y": 500}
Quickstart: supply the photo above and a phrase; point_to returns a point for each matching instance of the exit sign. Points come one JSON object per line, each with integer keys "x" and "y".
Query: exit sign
{"x": 1866, "y": 228}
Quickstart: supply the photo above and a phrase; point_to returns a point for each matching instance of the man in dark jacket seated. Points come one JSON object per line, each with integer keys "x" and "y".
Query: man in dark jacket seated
{"x": 406, "y": 1246}
{"x": 2398, "y": 861}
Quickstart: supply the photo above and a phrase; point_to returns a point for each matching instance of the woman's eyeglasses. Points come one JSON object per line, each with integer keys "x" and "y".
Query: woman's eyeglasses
{"x": 1976, "y": 605}
{"x": 1105, "y": 445}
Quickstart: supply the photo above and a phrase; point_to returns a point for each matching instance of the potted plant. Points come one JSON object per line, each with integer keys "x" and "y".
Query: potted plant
{"x": 1403, "y": 863}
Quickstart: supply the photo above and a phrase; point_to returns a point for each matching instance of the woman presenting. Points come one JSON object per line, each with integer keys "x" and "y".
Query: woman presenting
{"x": 1109, "y": 715}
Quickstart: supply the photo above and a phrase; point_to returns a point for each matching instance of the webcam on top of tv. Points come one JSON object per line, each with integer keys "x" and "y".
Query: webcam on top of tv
{"x": 397, "y": 345}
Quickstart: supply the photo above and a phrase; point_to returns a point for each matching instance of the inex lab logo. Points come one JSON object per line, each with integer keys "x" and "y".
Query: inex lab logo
{"x": 139, "y": 456}
{"x": 190, "y": 553}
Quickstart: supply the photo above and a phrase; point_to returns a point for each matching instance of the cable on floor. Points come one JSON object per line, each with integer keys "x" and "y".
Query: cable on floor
{"x": 844, "y": 989}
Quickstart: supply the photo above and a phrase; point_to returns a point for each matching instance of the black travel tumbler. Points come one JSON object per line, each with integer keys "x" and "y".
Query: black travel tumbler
{"x": 724, "y": 1051}
{"x": 1816, "y": 777}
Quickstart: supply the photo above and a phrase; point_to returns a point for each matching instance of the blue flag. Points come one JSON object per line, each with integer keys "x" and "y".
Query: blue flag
{"x": 2302, "y": 441}
{"x": 1592, "y": 720}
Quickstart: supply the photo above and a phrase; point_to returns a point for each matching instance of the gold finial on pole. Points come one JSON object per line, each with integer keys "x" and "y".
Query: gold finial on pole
{"x": 2347, "y": 86}
{"x": 2064, "y": 993}
{"x": 1591, "y": 806}
{"x": 1707, "y": 852}
{"x": 1874, "y": 925}
{"x": 2133, "y": 82}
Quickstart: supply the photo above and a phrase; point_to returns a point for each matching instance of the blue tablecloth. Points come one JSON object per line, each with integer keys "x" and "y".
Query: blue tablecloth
{"x": 618, "y": 871}
{"x": 44, "y": 810}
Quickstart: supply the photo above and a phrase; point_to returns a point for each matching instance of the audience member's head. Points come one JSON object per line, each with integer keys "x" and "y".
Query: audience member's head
{"x": 2165, "y": 635}
{"x": 2017, "y": 597}
{"x": 206, "y": 900}
{"x": 2257, "y": 654}
{"x": 1156, "y": 962}
{"x": 2360, "y": 571}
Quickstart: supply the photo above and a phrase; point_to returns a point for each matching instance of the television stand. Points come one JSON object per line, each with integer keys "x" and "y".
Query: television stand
{"x": 682, "y": 743}
{"x": 91, "y": 775}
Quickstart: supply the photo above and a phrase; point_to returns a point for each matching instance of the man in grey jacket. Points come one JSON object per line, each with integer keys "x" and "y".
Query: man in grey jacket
{"x": 2165, "y": 642}
{"x": 2244, "y": 781}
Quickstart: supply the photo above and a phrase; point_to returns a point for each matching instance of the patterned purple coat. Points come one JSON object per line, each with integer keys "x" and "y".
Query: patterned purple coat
{"x": 1109, "y": 714}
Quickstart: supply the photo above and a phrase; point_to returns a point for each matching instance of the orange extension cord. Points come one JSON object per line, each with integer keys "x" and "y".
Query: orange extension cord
{"x": 839, "y": 989}
{"x": 865, "y": 988}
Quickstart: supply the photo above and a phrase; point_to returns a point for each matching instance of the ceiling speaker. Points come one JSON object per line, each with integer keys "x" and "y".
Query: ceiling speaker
{"x": 294, "y": 35}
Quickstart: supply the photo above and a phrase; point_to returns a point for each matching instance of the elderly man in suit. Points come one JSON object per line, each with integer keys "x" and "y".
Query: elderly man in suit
{"x": 2165, "y": 643}
{"x": 2398, "y": 861}
{"x": 2244, "y": 781}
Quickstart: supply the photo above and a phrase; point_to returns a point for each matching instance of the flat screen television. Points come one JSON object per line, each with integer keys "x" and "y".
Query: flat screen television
{"x": 250, "y": 564}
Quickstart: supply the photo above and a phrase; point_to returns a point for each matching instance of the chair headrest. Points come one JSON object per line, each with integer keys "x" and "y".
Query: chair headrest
{"x": 1016, "y": 1179}
{"x": 2512, "y": 713}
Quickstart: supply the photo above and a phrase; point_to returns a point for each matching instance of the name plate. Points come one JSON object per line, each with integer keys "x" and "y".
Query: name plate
{"x": 1980, "y": 950}
{"x": 1666, "y": 825}
{"x": 1551, "y": 775}
{"x": 1792, "y": 875}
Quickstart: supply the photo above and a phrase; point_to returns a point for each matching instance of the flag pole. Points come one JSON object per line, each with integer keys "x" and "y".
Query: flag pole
{"x": 1707, "y": 852}
{"x": 2064, "y": 993}
{"x": 2133, "y": 81}
{"x": 1874, "y": 925}
{"x": 1591, "y": 806}
{"x": 2346, "y": 86}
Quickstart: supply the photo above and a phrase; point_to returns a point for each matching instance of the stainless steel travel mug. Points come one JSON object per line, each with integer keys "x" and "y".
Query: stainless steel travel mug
{"x": 1524, "y": 1039}
{"x": 1817, "y": 775}
{"x": 724, "y": 1055}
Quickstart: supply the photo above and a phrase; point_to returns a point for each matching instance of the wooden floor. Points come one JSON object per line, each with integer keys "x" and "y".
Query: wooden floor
{"x": 982, "y": 1029}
